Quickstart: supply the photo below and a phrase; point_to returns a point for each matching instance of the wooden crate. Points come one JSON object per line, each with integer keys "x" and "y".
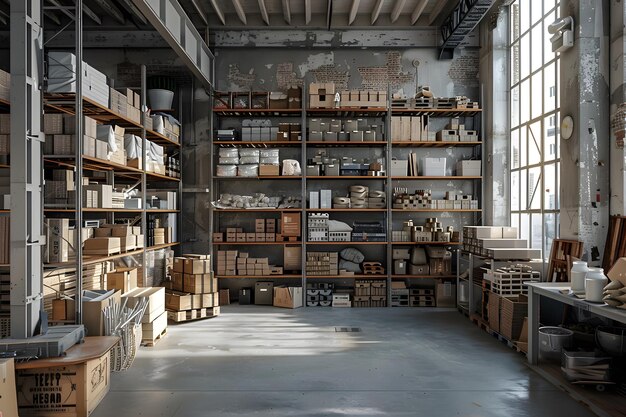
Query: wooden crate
{"x": 513, "y": 310}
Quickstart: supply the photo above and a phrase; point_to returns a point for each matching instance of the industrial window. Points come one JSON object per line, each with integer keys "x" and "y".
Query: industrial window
{"x": 535, "y": 158}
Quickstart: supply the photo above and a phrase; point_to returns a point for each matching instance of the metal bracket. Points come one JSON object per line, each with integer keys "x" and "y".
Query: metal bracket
{"x": 33, "y": 298}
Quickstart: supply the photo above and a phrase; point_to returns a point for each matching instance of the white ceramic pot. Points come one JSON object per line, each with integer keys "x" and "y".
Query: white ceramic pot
{"x": 577, "y": 276}
{"x": 595, "y": 281}
{"x": 160, "y": 99}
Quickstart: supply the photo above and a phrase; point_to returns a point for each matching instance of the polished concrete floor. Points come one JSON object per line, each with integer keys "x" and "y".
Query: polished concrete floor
{"x": 264, "y": 361}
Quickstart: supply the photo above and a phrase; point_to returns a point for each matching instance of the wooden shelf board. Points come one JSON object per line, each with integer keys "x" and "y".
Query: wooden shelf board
{"x": 347, "y": 243}
{"x": 444, "y": 177}
{"x": 258, "y": 210}
{"x": 256, "y": 243}
{"x": 256, "y": 112}
{"x": 436, "y": 210}
{"x": 344, "y": 177}
{"x": 5, "y": 166}
{"x": 154, "y": 175}
{"x": 437, "y": 112}
{"x": 262, "y": 177}
{"x": 107, "y": 210}
{"x": 428, "y": 243}
{"x": 268, "y": 277}
{"x": 348, "y": 111}
{"x": 257, "y": 144}
{"x": 5, "y": 211}
{"x": 338, "y": 210}
{"x": 94, "y": 259}
{"x": 355, "y": 276}
{"x": 345, "y": 143}
{"x": 412, "y": 144}
{"x": 395, "y": 276}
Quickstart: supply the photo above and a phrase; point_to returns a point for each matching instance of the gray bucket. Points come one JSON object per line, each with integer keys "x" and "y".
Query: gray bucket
{"x": 552, "y": 341}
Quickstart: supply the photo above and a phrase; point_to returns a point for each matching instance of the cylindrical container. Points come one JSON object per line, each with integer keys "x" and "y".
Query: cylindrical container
{"x": 552, "y": 340}
{"x": 577, "y": 276}
{"x": 463, "y": 292}
{"x": 595, "y": 281}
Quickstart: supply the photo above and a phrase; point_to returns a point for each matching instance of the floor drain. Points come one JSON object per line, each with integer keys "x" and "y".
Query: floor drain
{"x": 347, "y": 329}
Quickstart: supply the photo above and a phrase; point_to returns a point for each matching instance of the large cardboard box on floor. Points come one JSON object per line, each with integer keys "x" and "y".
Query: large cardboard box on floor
{"x": 8, "y": 397}
{"x": 156, "y": 301}
{"x": 70, "y": 386}
{"x": 151, "y": 331}
{"x": 180, "y": 301}
{"x": 288, "y": 297}
{"x": 199, "y": 284}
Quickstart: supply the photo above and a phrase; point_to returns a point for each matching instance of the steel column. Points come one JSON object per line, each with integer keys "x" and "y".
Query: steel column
{"x": 78, "y": 180}
{"x": 26, "y": 167}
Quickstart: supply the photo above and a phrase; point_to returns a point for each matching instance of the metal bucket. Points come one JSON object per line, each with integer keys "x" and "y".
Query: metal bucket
{"x": 552, "y": 340}
{"x": 612, "y": 340}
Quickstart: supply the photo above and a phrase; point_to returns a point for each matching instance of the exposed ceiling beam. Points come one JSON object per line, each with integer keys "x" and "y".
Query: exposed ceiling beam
{"x": 266, "y": 17}
{"x": 287, "y": 11}
{"x": 240, "y": 12}
{"x": 133, "y": 10}
{"x": 307, "y": 11}
{"x": 86, "y": 10}
{"x": 353, "y": 11}
{"x": 417, "y": 12}
{"x": 111, "y": 9}
{"x": 376, "y": 10}
{"x": 201, "y": 12}
{"x": 218, "y": 11}
{"x": 397, "y": 9}
{"x": 434, "y": 14}
{"x": 52, "y": 16}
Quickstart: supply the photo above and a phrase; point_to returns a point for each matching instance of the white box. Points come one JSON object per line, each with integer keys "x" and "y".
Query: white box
{"x": 314, "y": 199}
{"x": 434, "y": 167}
{"x": 326, "y": 199}
{"x": 399, "y": 168}
{"x": 468, "y": 168}
{"x": 503, "y": 243}
{"x": 509, "y": 232}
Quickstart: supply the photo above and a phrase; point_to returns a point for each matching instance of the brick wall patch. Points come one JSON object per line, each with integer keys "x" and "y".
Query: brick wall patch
{"x": 377, "y": 78}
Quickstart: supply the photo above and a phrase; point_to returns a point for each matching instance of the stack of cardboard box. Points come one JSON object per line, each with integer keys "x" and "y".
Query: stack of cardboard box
{"x": 62, "y": 69}
{"x": 193, "y": 292}
{"x": 154, "y": 320}
{"x": 411, "y": 129}
{"x": 370, "y": 293}
{"x": 60, "y": 131}
{"x": 61, "y": 240}
{"x": 123, "y": 279}
{"x": 230, "y": 263}
{"x": 126, "y": 102}
{"x": 5, "y": 85}
{"x": 322, "y": 263}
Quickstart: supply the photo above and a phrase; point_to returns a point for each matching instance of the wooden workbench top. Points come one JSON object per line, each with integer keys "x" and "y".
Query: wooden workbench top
{"x": 92, "y": 348}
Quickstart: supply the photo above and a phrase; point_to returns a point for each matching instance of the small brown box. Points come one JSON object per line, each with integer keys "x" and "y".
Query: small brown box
{"x": 259, "y": 225}
{"x": 250, "y": 237}
{"x": 179, "y": 264}
{"x": 260, "y": 237}
{"x": 269, "y": 170}
{"x": 291, "y": 224}
{"x": 123, "y": 279}
{"x": 218, "y": 237}
{"x": 241, "y": 237}
{"x": 270, "y": 237}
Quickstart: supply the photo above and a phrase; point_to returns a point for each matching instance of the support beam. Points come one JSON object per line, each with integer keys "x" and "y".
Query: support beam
{"x": 287, "y": 11}
{"x": 376, "y": 10}
{"x": 240, "y": 12}
{"x": 353, "y": 11}
{"x": 201, "y": 12}
{"x": 111, "y": 9}
{"x": 263, "y": 9}
{"x": 434, "y": 14}
{"x": 86, "y": 10}
{"x": 419, "y": 9}
{"x": 397, "y": 9}
{"x": 26, "y": 232}
{"x": 52, "y": 16}
{"x": 307, "y": 11}
{"x": 218, "y": 11}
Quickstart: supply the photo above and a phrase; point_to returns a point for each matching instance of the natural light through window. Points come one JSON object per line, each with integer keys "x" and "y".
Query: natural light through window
{"x": 534, "y": 83}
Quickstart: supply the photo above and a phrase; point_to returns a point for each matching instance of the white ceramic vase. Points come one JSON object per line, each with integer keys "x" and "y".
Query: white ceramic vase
{"x": 577, "y": 276}
{"x": 595, "y": 281}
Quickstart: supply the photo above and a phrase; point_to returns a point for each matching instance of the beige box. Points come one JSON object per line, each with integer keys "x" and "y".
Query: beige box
{"x": 123, "y": 279}
{"x": 156, "y": 301}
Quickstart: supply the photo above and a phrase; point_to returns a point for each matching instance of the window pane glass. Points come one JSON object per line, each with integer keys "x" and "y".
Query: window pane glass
{"x": 534, "y": 188}
{"x": 558, "y": 82}
{"x": 515, "y": 154}
{"x": 524, "y": 15}
{"x": 515, "y": 220}
{"x": 524, "y": 225}
{"x": 515, "y": 191}
{"x": 549, "y": 186}
{"x": 515, "y": 106}
{"x": 536, "y": 52}
{"x": 536, "y": 96}
{"x": 523, "y": 146}
{"x": 536, "y": 11}
{"x": 549, "y": 138}
{"x": 548, "y": 55}
{"x": 534, "y": 143}
{"x": 525, "y": 101}
{"x": 558, "y": 185}
{"x": 523, "y": 195}
{"x": 550, "y": 231}
{"x": 537, "y": 231}
{"x": 549, "y": 91}
{"x": 524, "y": 56}
{"x": 548, "y": 5}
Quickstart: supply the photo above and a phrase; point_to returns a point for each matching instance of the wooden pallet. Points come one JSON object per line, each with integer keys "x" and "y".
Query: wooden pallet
{"x": 188, "y": 315}
{"x": 151, "y": 343}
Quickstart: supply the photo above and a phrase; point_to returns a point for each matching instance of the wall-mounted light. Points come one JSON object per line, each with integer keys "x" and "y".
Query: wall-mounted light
{"x": 563, "y": 31}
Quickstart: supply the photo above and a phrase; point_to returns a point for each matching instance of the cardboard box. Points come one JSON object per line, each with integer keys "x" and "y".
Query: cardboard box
{"x": 199, "y": 284}
{"x": 434, "y": 167}
{"x": 292, "y": 258}
{"x": 156, "y": 301}
{"x": 267, "y": 169}
{"x": 618, "y": 271}
{"x": 152, "y": 330}
{"x": 101, "y": 246}
{"x": 288, "y": 297}
{"x": 177, "y": 281}
{"x": 291, "y": 224}
{"x": 77, "y": 392}
{"x": 197, "y": 266}
{"x": 446, "y": 295}
{"x": 122, "y": 231}
{"x": 224, "y": 296}
{"x": 264, "y": 293}
{"x": 94, "y": 302}
{"x": 399, "y": 168}
{"x": 8, "y": 399}
{"x": 468, "y": 168}
{"x": 58, "y": 238}
{"x": 105, "y": 194}
{"x": 123, "y": 279}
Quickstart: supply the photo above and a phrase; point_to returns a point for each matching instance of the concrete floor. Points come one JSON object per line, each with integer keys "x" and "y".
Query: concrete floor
{"x": 264, "y": 361}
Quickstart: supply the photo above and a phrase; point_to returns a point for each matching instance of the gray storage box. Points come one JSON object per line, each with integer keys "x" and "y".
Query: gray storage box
{"x": 332, "y": 169}
{"x": 316, "y": 136}
{"x": 399, "y": 168}
{"x": 312, "y": 170}
{"x": 264, "y": 293}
